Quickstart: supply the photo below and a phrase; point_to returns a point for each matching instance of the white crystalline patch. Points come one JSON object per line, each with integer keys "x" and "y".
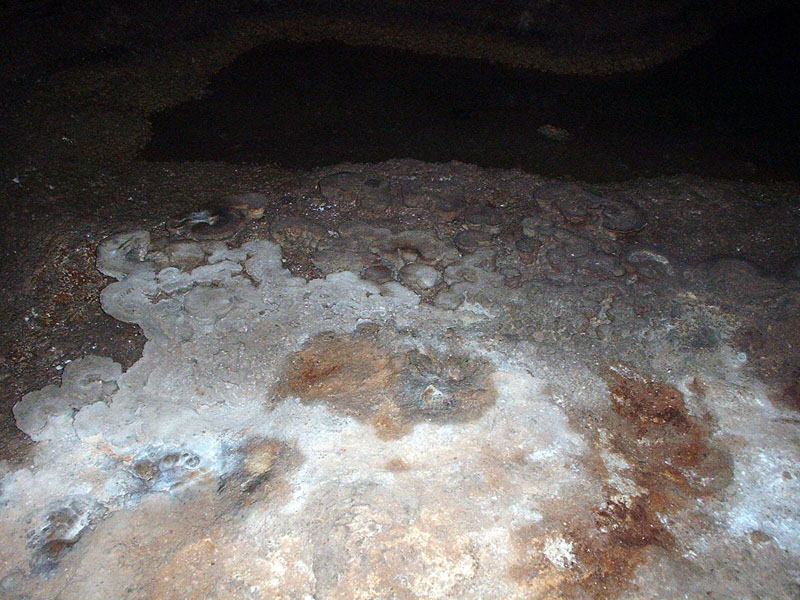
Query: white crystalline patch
{"x": 766, "y": 500}
{"x": 47, "y": 414}
{"x": 122, "y": 255}
{"x": 626, "y": 489}
{"x": 540, "y": 455}
{"x": 765, "y": 487}
{"x": 476, "y": 308}
{"x": 216, "y": 343}
{"x": 559, "y": 552}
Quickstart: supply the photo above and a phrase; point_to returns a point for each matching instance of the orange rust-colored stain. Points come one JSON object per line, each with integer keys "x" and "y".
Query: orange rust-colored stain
{"x": 671, "y": 460}
{"x": 647, "y": 404}
{"x": 336, "y": 368}
{"x": 390, "y": 389}
{"x": 315, "y": 372}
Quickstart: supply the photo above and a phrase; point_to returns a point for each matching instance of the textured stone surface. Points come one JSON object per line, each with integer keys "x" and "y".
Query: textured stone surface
{"x": 562, "y": 412}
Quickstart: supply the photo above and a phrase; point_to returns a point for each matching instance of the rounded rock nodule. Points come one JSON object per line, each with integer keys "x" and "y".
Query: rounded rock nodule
{"x": 419, "y": 276}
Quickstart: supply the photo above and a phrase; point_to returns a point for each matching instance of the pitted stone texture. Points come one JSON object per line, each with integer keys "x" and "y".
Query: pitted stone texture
{"x": 369, "y": 193}
{"x": 334, "y": 261}
{"x": 297, "y": 230}
{"x": 478, "y": 267}
{"x": 408, "y": 246}
{"x": 572, "y": 201}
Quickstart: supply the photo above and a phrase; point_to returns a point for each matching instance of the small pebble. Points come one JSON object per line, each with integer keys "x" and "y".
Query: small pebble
{"x": 419, "y": 276}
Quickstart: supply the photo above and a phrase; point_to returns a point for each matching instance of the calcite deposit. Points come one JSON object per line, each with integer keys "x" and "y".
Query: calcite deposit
{"x": 416, "y": 382}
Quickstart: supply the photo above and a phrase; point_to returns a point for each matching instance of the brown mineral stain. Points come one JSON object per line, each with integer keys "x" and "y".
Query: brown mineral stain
{"x": 397, "y": 465}
{"x": 697, "y": 387}
{"x": 264, "y": 465}
{"x": 343, "y": 372}
{"x": 790, "y": 397}
{"x": 671, "y": 461}
{"x": 647, "y": 404}
{"x": 367, "y": 377}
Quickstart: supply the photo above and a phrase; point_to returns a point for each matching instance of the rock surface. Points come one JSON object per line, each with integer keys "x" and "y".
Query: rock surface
{"x": 515, "y": 400}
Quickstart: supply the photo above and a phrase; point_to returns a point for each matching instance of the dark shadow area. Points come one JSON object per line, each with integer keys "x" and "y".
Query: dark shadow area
{"x": 726, "y": 109}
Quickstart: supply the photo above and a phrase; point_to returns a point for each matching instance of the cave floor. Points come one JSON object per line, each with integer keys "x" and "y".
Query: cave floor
{"x": 389, "y": 380}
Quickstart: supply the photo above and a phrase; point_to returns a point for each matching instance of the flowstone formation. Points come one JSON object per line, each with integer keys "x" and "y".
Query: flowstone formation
{"x": 422, "y": 383}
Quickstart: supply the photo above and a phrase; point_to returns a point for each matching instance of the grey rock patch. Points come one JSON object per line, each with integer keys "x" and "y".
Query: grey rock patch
{"x": 217, "y": 273}
{"x": 484, "y": 217}
{"x": 531, "y": 226}
{"x": 447, "y": 209}
{"x": 414, "y": 195}
{"x": 377, "y": 274}
{"x": 407, "y": 246}
{"x": 372, "y": 194}
{"x": 333, "y": 261}
{"x": 419, "y": 276}
{"x": 478, "y": 267}
{"x": 450, "y": 298}
{"x": 623, "y": 217}
{"x": 605, "y": 264}
{"x": 361, "y": 232}
{"x": 470, "y": 240}
{"x": 184, "y": 255}
{"x": 649, "y": 261}
{"x": 527, "y": 247}
{"x": 252, "y": 204}
{"x": 341, "y": 187}
{"x": 736, "y": 279}
{"x": 571, "y": 200}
